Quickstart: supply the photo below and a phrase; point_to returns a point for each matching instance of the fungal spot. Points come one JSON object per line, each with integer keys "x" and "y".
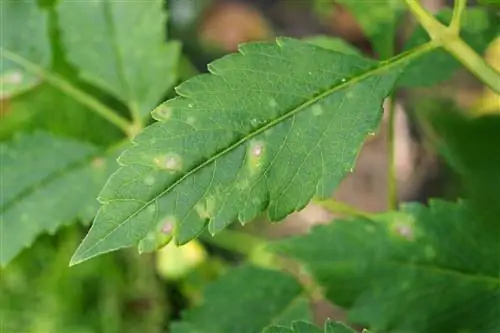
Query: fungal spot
{"x": 98, "y": 163}
{"x": 163, "y": 112}
{"x": 317, "y": 110}
{"x": 167, "y": 225}
{"x": 206, "y": 208}
{"x": 149, "y": 180}
{"x": 190, "y": 105}
{"x": 171, "y": 162}
{"x": 254, "y": 122}
{"x": 273, "y": 103}
{"x": 349, "y": 94}
{"x": 190, "y": 120}
{"x": 159, "y": 237}
{"x": 310, "y": 73}
{"x": 371, "y": 133}
{"x": 343, "y": 80}
{"x": 405, "y": 230}
{"x": 351, "y": 170}
{"x": 13, "y": 78}
{"x": 255, "y": 153}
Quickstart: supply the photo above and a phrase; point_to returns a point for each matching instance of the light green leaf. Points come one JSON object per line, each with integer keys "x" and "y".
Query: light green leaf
{"x": 46, "y": 182}
{"x": 478, "y": 28}
{"x": 379, "y": 20}
{"x": 123, "y": 51}
{"x": 423, "y": 269}
{"x": 24, "y": 32}
{"x": 334, "y": 44}
{"x": 305, "y": 327}
{"x": 266, "y": 130}
{"x": 246, "y": 300}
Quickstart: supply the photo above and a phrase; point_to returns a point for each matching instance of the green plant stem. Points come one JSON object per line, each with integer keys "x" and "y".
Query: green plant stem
{"x": 392, "y": 190}
{"x": 449, "y": 39}
{"x": 68, "y": 88}
{"x": 235, "y": 241}
{"x": 473, "y": 62}
{"x": 458, "y": 9}
{"x": 341, "y": 208}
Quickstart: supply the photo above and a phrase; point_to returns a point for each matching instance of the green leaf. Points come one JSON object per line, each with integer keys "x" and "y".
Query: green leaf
{"x": 423, "y": 269}
{"x": 478, "y": 28}
{"x": 334, "y": 44}
{"x": 46, "y": 182}
{"x": 267, "y": 130}
{"x": 123, "y": 51}
{"x": 472, "y": 147}
{"x": 46, "y": 108}
{"x": 379, "y": 20}
{"x": 246, "y": 300}
{"x": 305, "y": 327}
{"x": 24, "y": 32}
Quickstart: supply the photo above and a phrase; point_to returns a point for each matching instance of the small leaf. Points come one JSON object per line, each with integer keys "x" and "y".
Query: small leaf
{"x": 246, "y": 300}
{"x": 416, "y": 270}
{"x": 479, "y": 27}
{"x": 123, "y": 51}
{"x": 268, "y": 129}
{"x": 46, "y": 182}
{"x": 25, "y": 33}
{"x": 379, "y": 20}
{"x": 334, "y": 44}
{"x": 305, "y": 327}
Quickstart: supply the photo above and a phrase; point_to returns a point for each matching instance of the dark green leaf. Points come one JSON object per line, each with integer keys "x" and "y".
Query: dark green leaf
{"x": 46, "y": 182}
{"x": 472, "y": 147}
{"x": 267, "y": 129}
{"x": 379, "y": 20}
{"x": 424, "y": 269}
{"x": 479, "y": 28}
{"x": 246, "y": 300}
{"x": 24, "y": 32}
{"x": 123, "y": 50}
{"x": 305, "y": 327}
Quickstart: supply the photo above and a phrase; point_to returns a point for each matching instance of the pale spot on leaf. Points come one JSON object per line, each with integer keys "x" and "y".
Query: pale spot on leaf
{"x": 171, "y": 162}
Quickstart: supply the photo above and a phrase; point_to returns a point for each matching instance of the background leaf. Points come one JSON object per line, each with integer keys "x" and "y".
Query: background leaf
{"x": 269, "y": 128}
{"x": 46, "y": 182}
{"x": 305, "y": 327}
{"x": 379, "y": 20}
{"x": 479, "y": 28}
{"x": 25, "y": 33}
{"x": 400, "y": 271}
{"x": 246, "y": 300}
{"x": 133, "y": 61}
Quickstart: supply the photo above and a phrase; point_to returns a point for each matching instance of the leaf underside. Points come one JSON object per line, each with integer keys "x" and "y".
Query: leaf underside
{"x": 400, "y": 271}
{"x": 305, "y": 327}
{"x": 48, "y": 182}
{"x": 269, "y": 128}
{"x": 246, "y": 300}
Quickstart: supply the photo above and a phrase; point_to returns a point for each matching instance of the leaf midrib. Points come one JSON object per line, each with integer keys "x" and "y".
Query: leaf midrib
{"x": 383, "y": 66}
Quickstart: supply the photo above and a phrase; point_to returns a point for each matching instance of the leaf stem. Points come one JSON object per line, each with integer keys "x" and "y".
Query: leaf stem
{"x": 69, "y": 89}
{"x": 449, "y": 39}
{"x": 341, "y": 208}
{"x": 458, "y": 9}
{"x": 392, "y": 191}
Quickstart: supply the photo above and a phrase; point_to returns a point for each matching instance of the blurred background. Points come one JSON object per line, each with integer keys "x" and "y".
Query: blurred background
{"x": 125, "y": 292}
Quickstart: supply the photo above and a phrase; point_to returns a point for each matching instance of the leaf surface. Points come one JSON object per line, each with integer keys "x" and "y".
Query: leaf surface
{"x": 24, "y": 32}
{"x": 123, "y": 51}
{"x": 266, "y": 130}
{"x": 479, "y": 28}
{"x": 246, "y": 300}
{"x": 334, "y": 44}
{"x": 305, "y": 327}
{"x": 46, "y": 182}
{"x": 416, "y": 270}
